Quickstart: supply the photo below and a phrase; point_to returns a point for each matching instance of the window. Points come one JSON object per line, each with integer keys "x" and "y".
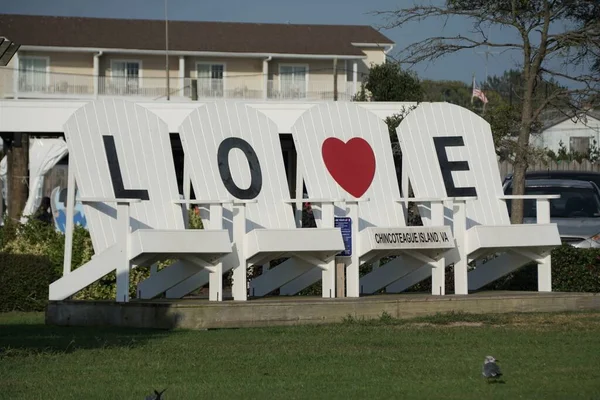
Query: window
{"x": 580, "y": 144}
{"x": 293, "y": 80}
{"x": 210, "y": 79}
{"x": 33, "y": 74}
{"x": 125, "y": 76}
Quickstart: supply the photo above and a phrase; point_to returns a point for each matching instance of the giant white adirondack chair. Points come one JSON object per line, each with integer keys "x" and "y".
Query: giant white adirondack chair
{"x": 481, "y": 226}
{"x": 344, "y": 152}
{"x": 120, "y": 157}
{"x": 215, "y": 138}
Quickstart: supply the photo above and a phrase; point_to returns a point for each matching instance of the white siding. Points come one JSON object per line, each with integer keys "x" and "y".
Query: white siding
{"x": 551, "y": 137}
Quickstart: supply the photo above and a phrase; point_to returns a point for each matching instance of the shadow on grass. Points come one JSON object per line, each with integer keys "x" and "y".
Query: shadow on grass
{"x": 24, "y": 334}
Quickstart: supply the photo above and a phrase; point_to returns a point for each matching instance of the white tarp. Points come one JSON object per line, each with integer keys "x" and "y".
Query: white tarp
{"x": 43, "y": 155}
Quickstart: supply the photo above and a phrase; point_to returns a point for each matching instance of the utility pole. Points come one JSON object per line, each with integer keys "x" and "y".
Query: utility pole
{"x": 167, "y": 51}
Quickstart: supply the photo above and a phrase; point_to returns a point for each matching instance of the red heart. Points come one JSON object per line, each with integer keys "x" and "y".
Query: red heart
{"x": 351, "y": 165}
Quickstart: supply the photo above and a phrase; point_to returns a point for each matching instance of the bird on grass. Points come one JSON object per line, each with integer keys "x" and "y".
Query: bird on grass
{"x": 156, "y": 396}
{"x": 491, "y": 371}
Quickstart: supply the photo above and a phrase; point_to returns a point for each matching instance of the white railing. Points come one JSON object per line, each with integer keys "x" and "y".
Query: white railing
{"x": 140, "y": 87}
{"x": 282, "y": 90}
{"x": 55, "y": 85}
{"x": 43, "y": 83}
{"x": 229, "y": 88}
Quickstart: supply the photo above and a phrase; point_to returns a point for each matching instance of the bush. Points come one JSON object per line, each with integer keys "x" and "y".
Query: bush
{"x": 573, "y": 270}
{"x": 45, "y": 248}
{"x": 34, "y": 252}
{"x": 24, "y": 281}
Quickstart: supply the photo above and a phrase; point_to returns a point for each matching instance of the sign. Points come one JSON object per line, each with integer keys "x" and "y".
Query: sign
{"x": 345, "y": 225}
{"x": 412, "y": 237}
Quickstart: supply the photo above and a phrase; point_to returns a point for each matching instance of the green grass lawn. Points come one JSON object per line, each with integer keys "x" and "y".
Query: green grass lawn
{"x": 543, "y": 356}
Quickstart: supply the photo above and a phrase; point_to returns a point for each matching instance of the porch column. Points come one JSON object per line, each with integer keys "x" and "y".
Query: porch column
{"x": 182, "y": 75}
{"x": 354, "y": 77}
{"x": 16, "y": 76}
{"x": 266, "y": 78}
{"x": 96, "y": 74}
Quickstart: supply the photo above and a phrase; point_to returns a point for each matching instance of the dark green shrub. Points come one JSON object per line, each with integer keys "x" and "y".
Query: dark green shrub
{"x": 24, "y": 281}
{"x": 573, "y": 270}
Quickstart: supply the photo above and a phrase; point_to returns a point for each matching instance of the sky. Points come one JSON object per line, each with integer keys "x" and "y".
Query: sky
{"x": 459, "y": 66}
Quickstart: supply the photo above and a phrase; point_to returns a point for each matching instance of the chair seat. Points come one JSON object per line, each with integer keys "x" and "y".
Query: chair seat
{"x": 535, "y": 236}
{"x": 207, "y": 244}
{"x": 321, "y": 242}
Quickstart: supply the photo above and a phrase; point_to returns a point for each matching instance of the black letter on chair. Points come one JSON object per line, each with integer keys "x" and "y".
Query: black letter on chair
{"x": 115, "y": 173}
{"x": 255, "y": 172}
{"x": 441, "y": 142}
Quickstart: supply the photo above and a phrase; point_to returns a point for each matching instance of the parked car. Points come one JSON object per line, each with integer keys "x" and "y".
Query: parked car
{"x": 576, "y": 212}
{"x": 570, "y": 175}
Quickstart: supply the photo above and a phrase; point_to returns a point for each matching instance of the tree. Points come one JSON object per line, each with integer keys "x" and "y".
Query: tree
{"x": 547, "y": 30}
{"x": 17, "y": 157}
{"x": 388, "y": 82}
{"x": 455, "y": 92}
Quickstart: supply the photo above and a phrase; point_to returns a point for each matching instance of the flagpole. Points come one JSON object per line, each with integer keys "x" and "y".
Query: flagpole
{"x": 487, "y": 53}
{"x": 472, "y": 88}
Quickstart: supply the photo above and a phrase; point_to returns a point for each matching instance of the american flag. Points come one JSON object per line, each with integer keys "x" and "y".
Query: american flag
{"x": 478, "y": 93}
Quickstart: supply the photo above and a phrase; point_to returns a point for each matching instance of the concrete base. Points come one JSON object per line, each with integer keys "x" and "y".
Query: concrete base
{"x": 202, "y": 314}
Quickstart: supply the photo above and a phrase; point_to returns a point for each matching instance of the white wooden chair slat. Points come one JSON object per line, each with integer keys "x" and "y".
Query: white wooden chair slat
{"x": 203, "y": 131}
{"x": 143, "y": 151}
{"x": 439, "y": 119}
{"x": 345, "y": 121}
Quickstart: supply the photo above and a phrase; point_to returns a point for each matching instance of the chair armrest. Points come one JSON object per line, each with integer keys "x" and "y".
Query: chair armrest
{"x": 212, "y": 202}
{"x": 107, "y": 200}
{"x": 313, "y": 200}
{"x": 530, "y": 197}
{"x": 432, "y": 199}
{"x": 207, "y": 202}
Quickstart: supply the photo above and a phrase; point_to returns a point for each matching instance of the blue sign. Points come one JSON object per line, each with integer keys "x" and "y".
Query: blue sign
{"x": 345, "y": 225}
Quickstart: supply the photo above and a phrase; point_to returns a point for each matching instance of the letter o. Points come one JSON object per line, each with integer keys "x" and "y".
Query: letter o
{"x": 253, "y": 164}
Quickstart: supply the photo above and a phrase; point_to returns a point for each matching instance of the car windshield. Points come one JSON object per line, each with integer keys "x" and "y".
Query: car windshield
{"x": 573, "y": 202}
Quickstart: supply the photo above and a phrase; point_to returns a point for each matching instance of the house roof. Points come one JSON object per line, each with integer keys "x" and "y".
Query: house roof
{"x": 228, "y": 37}
{"x": 559, "y": 118}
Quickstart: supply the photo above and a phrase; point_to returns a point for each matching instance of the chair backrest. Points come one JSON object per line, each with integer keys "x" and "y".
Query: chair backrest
{"x": 121, "y": 150}
{"x": 345, "y": 152}
{"x": 450, "y": 153}
{"x": 234, "y": 152}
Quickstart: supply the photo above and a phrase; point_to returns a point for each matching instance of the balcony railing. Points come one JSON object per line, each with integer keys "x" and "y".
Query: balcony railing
{"x": 57, "y": 85}
{"x": 138, "y": 87}
{"x": 48, "y": 84}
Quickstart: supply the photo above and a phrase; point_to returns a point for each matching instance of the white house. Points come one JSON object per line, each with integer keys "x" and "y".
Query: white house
{"x": 576, "y": 134}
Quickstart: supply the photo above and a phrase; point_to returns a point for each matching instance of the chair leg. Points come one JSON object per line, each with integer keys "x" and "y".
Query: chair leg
{"x": 438, "y": 277}
{"x": 353, "y": 277}
{"x": 461, "y": 280}
{"x": 240, "y": 281}
{"x": 328, "y": 279}
{"x": 215, "y": 286}
{"x": 123, "y": 269}
{"x": 545, "y": 274}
